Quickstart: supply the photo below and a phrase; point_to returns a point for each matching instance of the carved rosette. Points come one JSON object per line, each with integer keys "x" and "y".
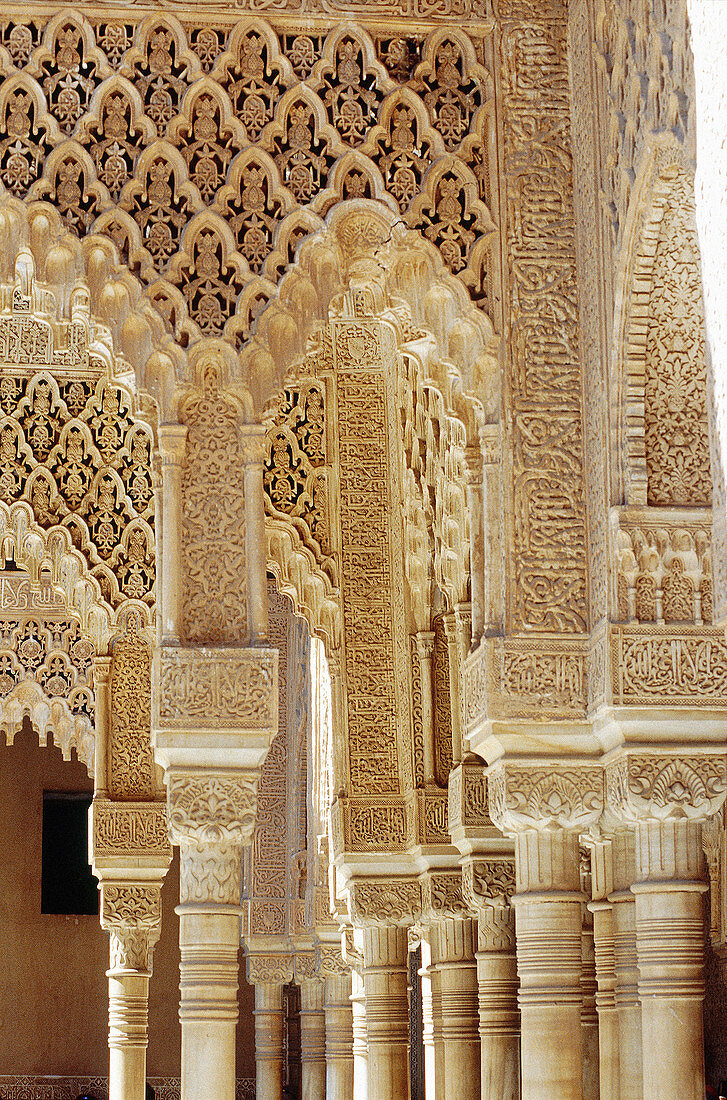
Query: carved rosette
{"x": 132, "y": 915}
{"x": 389, "y": 901}
{"x": 660, "y": 787}
{"x": 211, "y": 816}
{"x": 557, "y": 796}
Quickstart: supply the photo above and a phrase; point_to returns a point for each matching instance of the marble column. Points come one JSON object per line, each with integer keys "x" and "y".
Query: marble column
{"x": 131, "y": 914}
{"x": 312, "y": 1040}
{"x": 498, "y": 1005}
{"x": 604, "y": 952}
{"x": 253, "y": 446}
{"x": 548, "y": 926}
{"x": 430, "y": 1069}
{"x": 210, "y": 816}
{"x": 360, "y": 1038}
{"x": 669, "y": 887}
{"x": 338, "y": 1030}
{"x": 626, "y": 994}
{"x": 268, "y": 1012}
{"x": 589, "y": 1014}
{"x": 387, "y": 1010}
{"x": 455, "y": 1008}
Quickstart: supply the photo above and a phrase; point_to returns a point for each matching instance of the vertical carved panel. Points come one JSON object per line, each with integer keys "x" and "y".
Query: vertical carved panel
{"x": 442, "y": 705}
{"x": 213, "y": 531}
{"x": 677, "y": 443}
{"x": 132, "y": 760}
{"x": 549, "y": 580}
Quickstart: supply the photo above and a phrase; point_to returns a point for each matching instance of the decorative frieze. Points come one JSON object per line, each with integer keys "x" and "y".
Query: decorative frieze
{"x": 208, "y": 690}
{"x": 555, "y": 796}
{"x": 659, "y": 666}
{"x": 487, "y": 882}
{"x": 129, "y": 829}
{"x": 269, "y": 969}
{"x": 661, "y": 786}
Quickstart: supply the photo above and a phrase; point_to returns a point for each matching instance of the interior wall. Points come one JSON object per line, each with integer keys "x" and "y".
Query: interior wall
{"x": 53, "y": 975}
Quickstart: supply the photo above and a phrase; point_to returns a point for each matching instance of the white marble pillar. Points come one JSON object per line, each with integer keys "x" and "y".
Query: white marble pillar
{"x": 339, "y": 1033}
{"x": 589, "y": 1014}
{"x": 628, "y": 1006}
{"x": 548, "y": 925}
{"x": 603, "y": 947}
{"x": 268, "y": 1014}
{"x": 498, "y": 1005}
{"x": 453, "y": 653}
{"x": 430, "y": 1072}
{"x": 455, "y": 1008}
{"x": 131, "y": 913}
{"x": 387, "y": 1010}
{"x": 312, "y": 1040}
{"x": 360, "y": 1038}
{"x": 670, "y": 929}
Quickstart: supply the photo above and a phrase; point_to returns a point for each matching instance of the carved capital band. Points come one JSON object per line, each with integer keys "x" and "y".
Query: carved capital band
{"x": 389, "y": 901}
{"x": 132, "y": 914}
{"x": 442, "y": 895}
{"x": 209, "y": 808}
{"x": 657, "y": 787}
{"x": 269, "y": 969}
{"x": 486, "y": 883}
{"x": 545, "y": 797}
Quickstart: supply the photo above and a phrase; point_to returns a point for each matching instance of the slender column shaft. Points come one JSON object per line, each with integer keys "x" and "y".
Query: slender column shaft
{"x": 312, "y": 1040}
{"x": 360, "y": 1038}
{"x": 492, "y": 508}
{"x": 425, "y": 651}
{"x": 589, "y": 1015}
{"x": 253, "y": 436}
{"x": 608, "y": 1048}
{"x": 172, "y": 444}
{"x": 456, "y": 1023}
{"x": 387, "y": 1010}
{"x": 670, "y": 943}
{"x": 209, "y": 940}
{"x": 453, "y": 654}
{"x": 628, "y": 1006}
{"x": 339, "y": 1037}
{"x": 268, "y": 1040}
{"x": 498, "y": 1008}
{"x": 101, "y": 672}
{"x": 128, "y": 1036}
{"x": 430, "y": 1074}
{"x": 548, "y": 924}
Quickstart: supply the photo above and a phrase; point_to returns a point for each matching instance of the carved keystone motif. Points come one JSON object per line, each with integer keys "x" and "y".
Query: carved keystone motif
{"x": 660, "y": 787}
{"x": 554, "y": 797}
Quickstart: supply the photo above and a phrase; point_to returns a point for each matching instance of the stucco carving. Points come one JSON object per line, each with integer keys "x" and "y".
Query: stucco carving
{"x": 131, "y": 913}
{"x": 545, "y": 797}
{"x": 385, "y": 901}
{"x": 659, "y": 787}
{"x": 216, "y": 688}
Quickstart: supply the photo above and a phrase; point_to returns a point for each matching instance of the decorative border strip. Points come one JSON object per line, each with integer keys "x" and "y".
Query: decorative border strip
{"x": 22, "y": 1087}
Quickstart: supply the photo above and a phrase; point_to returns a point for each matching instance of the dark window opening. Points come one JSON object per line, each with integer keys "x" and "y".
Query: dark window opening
{"x": 67, "y": 884}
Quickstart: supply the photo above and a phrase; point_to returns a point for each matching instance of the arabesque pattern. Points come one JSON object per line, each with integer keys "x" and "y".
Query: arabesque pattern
{"x": 206, "y": 155}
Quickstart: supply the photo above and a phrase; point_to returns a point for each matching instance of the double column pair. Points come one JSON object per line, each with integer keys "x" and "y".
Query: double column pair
{"x": 649, "y": 1000}
{"x": 326, "y": 1033}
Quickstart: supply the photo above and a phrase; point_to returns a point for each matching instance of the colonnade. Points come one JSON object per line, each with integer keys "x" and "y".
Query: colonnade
{"x": 563, "y": 962}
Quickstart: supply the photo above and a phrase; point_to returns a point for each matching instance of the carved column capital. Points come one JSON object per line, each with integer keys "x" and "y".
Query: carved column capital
{"x": 172, "y": 440}
{"x": 555, "y": 796}
{"x": 388, "y": 901}
{"x": 211, "y": 808}
{"x": 269, "y": 969}
{"x": 659, "y": 786}
{"x": 331, "y": 963}
{"x": 131, "y": 912}
{"x": 253, "y": 443}
{"x": 211, "y": 816}
{"x": 487, "y": 882}
{"x": 425, "y": 644}
{"x": 442, "y": 895}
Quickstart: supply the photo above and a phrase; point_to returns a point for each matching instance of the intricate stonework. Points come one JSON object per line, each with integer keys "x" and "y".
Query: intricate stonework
{"x": 442, "y": 895}
{"x": 132, "y": 761}
{"x": 132, "y": 914}
{"x": 487, "y": 883}
{"x": 215, "y": 688}
{"x": 545, "y": 797}
{"x": 276, "y": 969}
{"x": 129, "y": 829}
{"x": 658, "y": 666}
{"x": 385, "y": 901}
{"x": 667, "y": 786}
{"x": 210, "y": 809}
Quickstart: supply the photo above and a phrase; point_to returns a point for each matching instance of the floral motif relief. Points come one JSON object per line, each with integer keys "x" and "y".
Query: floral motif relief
{"x": 211, "y": 810}
{"x": 659, "y": 787}
{"x": 72, "y": 449}
{"x": 132, "y": 760}
{"x": 132, "y": 127}
{"x": 442, "y": 704}
{"x": 295, "y": 474}
{"x": 213, "y": 532}
{"x": 546, "y": 797}
{"x": 388, "y": 901}
{"x": 488, "y": 882}
{"x": 132, "y": 914}
{"x": 675, "y": 411}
